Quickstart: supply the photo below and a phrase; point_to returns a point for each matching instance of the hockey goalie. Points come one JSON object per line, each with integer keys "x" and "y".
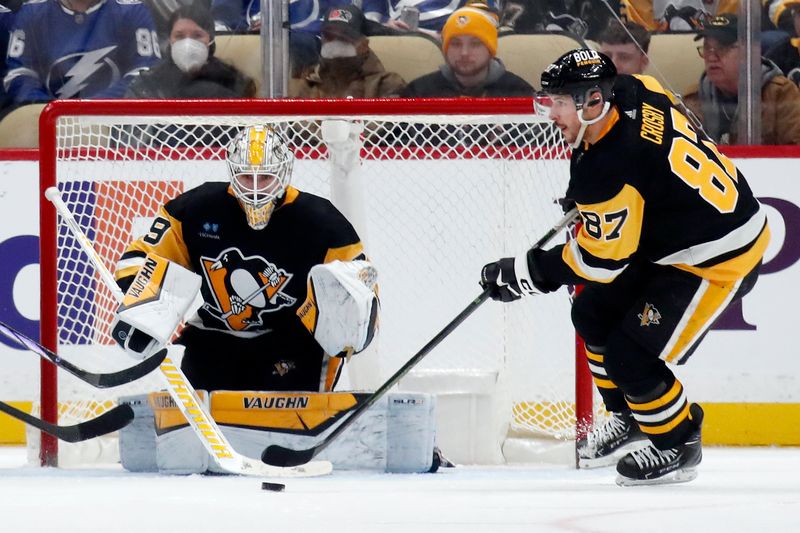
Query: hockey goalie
{"x": 287, "y": 294}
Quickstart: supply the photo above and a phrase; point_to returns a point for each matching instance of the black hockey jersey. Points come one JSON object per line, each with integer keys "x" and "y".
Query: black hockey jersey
{"x": 651, "y": 188}
{"x": 253, "y": 280}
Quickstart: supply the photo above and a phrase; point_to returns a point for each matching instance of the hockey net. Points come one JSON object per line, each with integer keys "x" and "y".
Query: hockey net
{"x": 437, "y": 190}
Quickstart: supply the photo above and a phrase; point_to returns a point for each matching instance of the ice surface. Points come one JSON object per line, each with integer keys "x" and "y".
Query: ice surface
{"x": 738, "y": 490}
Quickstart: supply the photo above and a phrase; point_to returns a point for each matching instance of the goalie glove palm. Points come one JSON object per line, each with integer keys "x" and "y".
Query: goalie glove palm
{"x": 508, "y": 279}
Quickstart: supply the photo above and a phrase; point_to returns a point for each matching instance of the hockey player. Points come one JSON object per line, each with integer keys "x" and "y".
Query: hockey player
{"x": 78, "y": 49}
{"x": 285, "y": 288}
{"x": 671, "y": 236}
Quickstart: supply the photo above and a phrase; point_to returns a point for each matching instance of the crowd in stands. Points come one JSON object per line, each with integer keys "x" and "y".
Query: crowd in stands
{"x": 58, "y": 49}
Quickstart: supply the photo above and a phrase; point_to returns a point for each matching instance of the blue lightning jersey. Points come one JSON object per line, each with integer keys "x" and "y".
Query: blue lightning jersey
{"x": 58, "y": 53}
{"x": 6, "y": 22}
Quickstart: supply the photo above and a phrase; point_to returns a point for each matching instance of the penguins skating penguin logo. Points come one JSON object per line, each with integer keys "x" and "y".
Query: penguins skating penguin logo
{"x": 244, "y": 288}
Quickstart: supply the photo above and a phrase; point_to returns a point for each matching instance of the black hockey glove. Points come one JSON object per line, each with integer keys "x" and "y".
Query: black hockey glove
{"x": 508, "y": 279}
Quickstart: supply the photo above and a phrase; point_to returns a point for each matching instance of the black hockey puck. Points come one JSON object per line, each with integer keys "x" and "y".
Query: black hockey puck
{"x": 276, "y": 487}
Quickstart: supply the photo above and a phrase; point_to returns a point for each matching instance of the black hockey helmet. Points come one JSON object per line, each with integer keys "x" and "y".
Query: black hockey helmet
{"x": 579, "y": 71}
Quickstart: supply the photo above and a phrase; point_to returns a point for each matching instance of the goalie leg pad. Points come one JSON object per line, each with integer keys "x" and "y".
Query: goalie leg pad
{"x": 137, "y": 440}
{"x": 341, "y": 308}
{"x": 411, "y": 432}
{"x": 154, "y": 306}
{"x": 177, "y": 448}
{"x": 395, "y": 434}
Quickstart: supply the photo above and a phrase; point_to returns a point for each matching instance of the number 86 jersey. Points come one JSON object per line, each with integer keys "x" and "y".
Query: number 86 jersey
{"x": 652, "y": 188}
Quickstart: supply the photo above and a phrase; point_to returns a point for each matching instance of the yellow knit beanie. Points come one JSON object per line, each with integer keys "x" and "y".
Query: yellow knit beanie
{"x": 472, "y": 21}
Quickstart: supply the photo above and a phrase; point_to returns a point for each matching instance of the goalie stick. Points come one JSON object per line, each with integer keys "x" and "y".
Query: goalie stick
{"x": 99, "y": 380}
{"x": 110, "y": 421}
{"x": 280, "y": 456}
{"x": 179, "y": 388}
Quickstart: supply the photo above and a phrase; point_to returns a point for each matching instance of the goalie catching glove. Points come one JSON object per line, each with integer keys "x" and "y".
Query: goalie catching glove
{"x": 154, "y": 306}
{"x": 341, "y": 309}
{"x": 508, "y": 279}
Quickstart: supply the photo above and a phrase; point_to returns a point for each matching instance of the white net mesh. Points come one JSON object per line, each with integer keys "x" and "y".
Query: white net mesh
{"x": 442, "y": 195}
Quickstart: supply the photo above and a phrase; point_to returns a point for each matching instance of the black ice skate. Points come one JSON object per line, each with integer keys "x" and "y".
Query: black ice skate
{"x": 651, "y": 466}
{"x": 606, "y": 444}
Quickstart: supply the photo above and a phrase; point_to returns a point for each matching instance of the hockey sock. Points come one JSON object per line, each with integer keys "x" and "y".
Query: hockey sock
{"x": 662, "y": 414}
{"x": 613, "y": 398}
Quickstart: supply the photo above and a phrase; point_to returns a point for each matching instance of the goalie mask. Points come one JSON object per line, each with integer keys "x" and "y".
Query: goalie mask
{"x": 260, "y": 168}
{"x": 585, "y": 75}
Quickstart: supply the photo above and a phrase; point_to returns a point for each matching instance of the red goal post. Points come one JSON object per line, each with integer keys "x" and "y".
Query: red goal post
{"x": 439, "y": 188}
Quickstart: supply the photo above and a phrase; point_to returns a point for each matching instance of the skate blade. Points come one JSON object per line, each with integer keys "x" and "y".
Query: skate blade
{"x": 610, "y": 460}
{"x": 682, "y": 475}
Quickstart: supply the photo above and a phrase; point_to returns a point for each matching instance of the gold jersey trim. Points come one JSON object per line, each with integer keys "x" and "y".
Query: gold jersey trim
{"x": 344, "y": 253}
{"x": 571, "y": 255}
{"x": 745, "y": 234}
{"x": 652, "y": 84}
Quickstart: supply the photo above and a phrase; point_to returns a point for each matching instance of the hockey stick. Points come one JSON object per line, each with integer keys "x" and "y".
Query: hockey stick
{"x": 99, "y": 380}
{"x": 110, "y": 421}
{"x": 179, "y": 388}
{"x": 281, "y": 456}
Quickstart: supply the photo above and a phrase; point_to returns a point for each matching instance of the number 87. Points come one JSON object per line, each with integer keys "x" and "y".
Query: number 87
{"x": 713, "y": 178}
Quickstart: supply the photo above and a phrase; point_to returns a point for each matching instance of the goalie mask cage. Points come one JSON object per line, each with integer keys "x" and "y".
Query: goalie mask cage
{"x": 436, "y": 188}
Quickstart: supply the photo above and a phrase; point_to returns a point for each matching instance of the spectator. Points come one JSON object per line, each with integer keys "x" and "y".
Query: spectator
{"x": 674, "y": 15}
{"x": 778, "y": 14}
{"x": 7, "y": 15}
{"x": 432, "y": 14}
{"x": 190, "y": 69}
{"x": 240, "y": 15}
{"x": 469, "y": 44}
{"x": 305, "y": 16}
{"x": 80, "y": 49}
{"x": 626, "y": 46}
{"x": 786, "y": 52}
{"x": 305, "y": 22}
{"x": 347, "y": 67}
{"x": 161, "y": 11}
{"x": 715, "y": 101}
{"x": 582, "y": 18}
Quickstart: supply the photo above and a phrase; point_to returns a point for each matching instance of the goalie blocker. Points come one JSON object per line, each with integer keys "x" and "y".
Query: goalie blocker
{"x": 153, "y": 307}
{"x": 395, "y": 435}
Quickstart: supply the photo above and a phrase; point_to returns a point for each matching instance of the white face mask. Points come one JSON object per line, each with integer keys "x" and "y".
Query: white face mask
{"x": 189, "y": 54}
{"x": 334, "y": 49}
